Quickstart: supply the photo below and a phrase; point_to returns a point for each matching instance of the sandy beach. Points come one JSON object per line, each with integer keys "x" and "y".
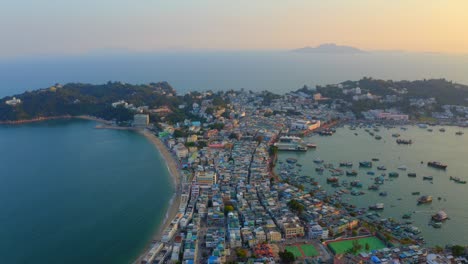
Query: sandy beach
{"x": 173, "y": 207}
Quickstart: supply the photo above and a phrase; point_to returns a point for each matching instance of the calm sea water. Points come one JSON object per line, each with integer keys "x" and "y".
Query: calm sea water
{"x": 445, "y": 147}
{"x": 277, "y": 71}
{"x": 70, "y": 193}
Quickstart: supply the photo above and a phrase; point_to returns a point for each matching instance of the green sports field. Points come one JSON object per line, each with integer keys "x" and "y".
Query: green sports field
{"x": 293, "y": 249}
{"x": 309, "y": 250}
{"x": 343, "y": 246}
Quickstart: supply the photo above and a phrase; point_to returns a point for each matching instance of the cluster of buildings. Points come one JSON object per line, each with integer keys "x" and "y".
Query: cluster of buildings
{"x": 231, "y": 200}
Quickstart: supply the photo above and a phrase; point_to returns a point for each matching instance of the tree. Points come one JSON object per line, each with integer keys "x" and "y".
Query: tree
{"x": 241, "y": 253}
{"x": 458, "y": 250}
{"x": 367, "y": 247}
{"x": 286, "y": 257}
{"x": 228, "y": 208}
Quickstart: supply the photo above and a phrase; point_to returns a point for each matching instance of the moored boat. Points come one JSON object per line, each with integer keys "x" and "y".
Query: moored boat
{"x": 440, "y": 216}
{"x": 457, "y": 180}
{"x": 437, "y": 165}
{"x": 459, "y": 133}
{"x": 412, "y": 174}
{"x": 393, "y": 174}
{"x": 377, "y": 206}
{"x": 404, "y": 141}
{"x": 425, "y": 199}
{"x": 351, "y": 173}
{"x": 428, "y": 178}
{"x": 365, "y": 164}
{"x": 291, "y": 160}
{"x": 381, "y": 168}
{"x": 346, "y": 164}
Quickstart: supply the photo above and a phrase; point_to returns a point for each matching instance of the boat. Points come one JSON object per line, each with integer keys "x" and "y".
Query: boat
{"x": 412, "y": 174}
{"x": 291, "y": 160}
{"x": 355, "y": 134}
{"x": 319, "y": 169}
{"x": 437, "y": 224}
{"x": 416, "y": 193}
{"x": 351, "y": 173}
{"x": 428, "y": 178}
{"x": 440, "y": 216}
{"x": 332, "y": 179}
{"x": 406, "y": 216}
{"x": 377, "y": 206}
{"x": 457, "y": 180}
{"x": 365, "y": 164}
{"x": 318, "y": 160}
{"x": 437, "y": 165}
{"x": 373, "y": 187}
{"x": 356, "y": 184}
{"x": 442, "y": 130}
{"x": 378, "y": 137}
{"x": 425, "y": 199}
{"x": 429, "y": 130}
{"x": 375, "y": 159}
{"x": 381, "y": 168}
{"x": 383, "y": 194}
{"x": 403, "y": 167}
{"x": 311, "y": 145}
{"x": 404, "y": 141}
{"x": 422, "y": 125}
{"x": 370, "y": 173}
{"x": 346, "y": 164}
{"x": 459, "y": 133}
{"x": 395, "y": 135}
{"x": 393, "y": 174}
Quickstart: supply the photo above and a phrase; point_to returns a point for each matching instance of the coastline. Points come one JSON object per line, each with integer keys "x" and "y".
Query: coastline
{"x": 174, "y": 202}
{"x": 41, "y": 119}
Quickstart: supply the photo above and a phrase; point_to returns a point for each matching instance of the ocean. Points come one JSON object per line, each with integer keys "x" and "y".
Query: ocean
{"x": 70, "y": 193}
{"x": 446, "y": 147}
{"x": 276, "y": 71}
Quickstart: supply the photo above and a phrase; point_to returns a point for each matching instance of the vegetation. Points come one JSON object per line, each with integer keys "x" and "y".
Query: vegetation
{"x": 286, "y": 257}
{"x": 295, "y": 206}
{"x": 458, "y": 250}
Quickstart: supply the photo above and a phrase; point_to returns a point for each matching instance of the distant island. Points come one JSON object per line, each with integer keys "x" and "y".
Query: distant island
{"x": 330, "y": 48}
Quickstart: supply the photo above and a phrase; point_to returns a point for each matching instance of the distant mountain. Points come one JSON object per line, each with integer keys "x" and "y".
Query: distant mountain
{"x": 330, "y": 48}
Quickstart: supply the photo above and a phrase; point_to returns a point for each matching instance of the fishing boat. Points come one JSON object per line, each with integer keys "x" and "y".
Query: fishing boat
{"x": 381, "y": 168}
{"x": 318, "y": 160}
{"x": 383, "y": 194}
{"x": 403, "y": 167}
{"x": 404, "y": 141}
{"x": 378, "y": 137}
{"x": 332, "y": 179}
{"x": 437, "y": 224}
{"x": 319, "y": 169}
{"x": 406, "y": 216}
{"x": 375, "y": 159}
{"x": 377, "y": 206}
{"x": 416, "y": 193}
{"x": 351, "y": 173}
{"x": 291, "y": 160}
{"x": 412, "y": 174}
{"x": 440, "y": 216}
{"x": 395, "y": 135}
{"x": 459, "y": 133}
{"x": 356, "y": 184}
{"x": 393, "y": 174}
{"x": 365, "y": 164}
{"x": 437, "y": 165}
{"x": 457, "y": 180}
{"x": 370, "y": 173}
{"x": 428, "y": 178}
{"x": 429, "y": 130}
{"x": 442, "y": 130}
{"x": 425, "y": 199}
{"x": 311, "y": 145}
{"x": 346, "y": 164}
{"x": 373, "y": 187}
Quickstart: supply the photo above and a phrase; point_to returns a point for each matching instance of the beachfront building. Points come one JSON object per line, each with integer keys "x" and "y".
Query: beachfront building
{"x": 181, "y": 151}
{"x": 140, "y": 120}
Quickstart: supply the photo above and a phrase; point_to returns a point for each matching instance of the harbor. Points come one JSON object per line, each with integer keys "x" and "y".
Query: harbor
{"x": 425, "y": 178}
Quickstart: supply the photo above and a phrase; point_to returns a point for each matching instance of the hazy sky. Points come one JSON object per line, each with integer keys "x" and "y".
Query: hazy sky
{"x": 77, "y": 26}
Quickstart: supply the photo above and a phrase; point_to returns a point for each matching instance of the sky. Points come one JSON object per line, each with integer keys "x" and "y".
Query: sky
{"x": 32, "y": 27}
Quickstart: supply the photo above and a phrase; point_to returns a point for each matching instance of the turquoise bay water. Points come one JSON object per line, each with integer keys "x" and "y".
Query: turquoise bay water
{"x": 70, "y": 193}
{"x": 444, "y": 147}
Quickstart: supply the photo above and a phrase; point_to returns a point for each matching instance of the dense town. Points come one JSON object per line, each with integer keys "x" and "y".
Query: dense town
{"x": 234, "y": 207}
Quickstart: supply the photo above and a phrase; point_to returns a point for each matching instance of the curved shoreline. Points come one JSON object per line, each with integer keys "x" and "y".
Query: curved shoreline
{"x": 174, "y": 202}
